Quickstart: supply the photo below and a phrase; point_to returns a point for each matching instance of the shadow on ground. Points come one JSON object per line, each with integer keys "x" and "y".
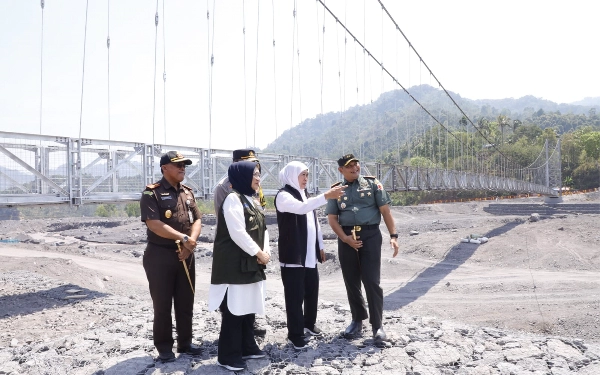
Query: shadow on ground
{"x": 32, "y": 302}
{"x": 431, "y": 276}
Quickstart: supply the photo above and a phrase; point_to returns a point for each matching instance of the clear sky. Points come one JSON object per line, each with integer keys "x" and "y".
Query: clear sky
{"x": 479, "y": 49}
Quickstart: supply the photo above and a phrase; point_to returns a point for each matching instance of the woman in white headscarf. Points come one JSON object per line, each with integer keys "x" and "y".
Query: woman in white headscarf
{"x": 300, "y": 247}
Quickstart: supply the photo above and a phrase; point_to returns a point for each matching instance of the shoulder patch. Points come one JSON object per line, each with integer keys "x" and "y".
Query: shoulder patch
{"x": 148, "y": 192}
{"x": 336, "y": 184}
{"x": 153, "y": 186}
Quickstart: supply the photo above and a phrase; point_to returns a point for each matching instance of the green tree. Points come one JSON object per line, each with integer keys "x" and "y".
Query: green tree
{"x": 106, "y": 210}
{"x": 421, "y": 162}
{"x": 587, "y": 176}
{"x": 133, "y": 209}
{"x": 503, "y": 122}
{"x": 591, "y": 144}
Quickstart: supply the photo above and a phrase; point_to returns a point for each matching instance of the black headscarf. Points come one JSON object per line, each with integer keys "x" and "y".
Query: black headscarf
{"x": 240, "y": 176}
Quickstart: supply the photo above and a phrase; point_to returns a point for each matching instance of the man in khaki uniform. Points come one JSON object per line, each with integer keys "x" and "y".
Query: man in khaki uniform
{"x": 169, "y": 210}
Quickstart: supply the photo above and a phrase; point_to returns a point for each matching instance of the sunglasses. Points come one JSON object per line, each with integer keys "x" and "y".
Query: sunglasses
{"x": 180, "y": 165}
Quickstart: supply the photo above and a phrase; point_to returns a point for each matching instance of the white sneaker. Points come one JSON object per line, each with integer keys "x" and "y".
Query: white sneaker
{"x": 234, "y": 366}
{"x": 313, "y": 332}
{"x": 299, "y": 343}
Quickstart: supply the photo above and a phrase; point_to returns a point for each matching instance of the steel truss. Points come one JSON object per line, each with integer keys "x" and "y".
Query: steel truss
{"x": 41, "y": 169}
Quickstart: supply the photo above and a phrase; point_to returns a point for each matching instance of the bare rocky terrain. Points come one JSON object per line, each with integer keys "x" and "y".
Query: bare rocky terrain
{"x": 74, "y": 298}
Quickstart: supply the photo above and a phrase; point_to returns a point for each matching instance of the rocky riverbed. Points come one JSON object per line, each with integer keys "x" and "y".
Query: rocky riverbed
{"x": 74, "y": 300}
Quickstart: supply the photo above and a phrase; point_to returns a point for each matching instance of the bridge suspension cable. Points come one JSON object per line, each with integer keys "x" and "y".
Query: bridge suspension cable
{"x": 427, "y": 143}
{"x": 83, "y": 68}
{"x": 164, "y": 72}
{"x": 274, "y": 70}
{"x": 431, "y": 74}
{"x": 245, "y": 79}
{"x": 321, "y": 55}
{"x": 341, "y": 88}
{"x": 256, "y": 68}
{"x": 154, "y": 77}
{"x": 210, "y": 49}
{"x": 42, "y": 66}
{"x": 108, "y": 65}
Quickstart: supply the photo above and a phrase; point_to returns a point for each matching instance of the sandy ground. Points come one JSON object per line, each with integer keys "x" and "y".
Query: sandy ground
{"x": 538, "y": 277}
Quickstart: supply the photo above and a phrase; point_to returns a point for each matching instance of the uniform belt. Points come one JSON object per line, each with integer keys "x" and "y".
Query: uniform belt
{"x": 167, "y": 246}
{"x": 360, "y": 227}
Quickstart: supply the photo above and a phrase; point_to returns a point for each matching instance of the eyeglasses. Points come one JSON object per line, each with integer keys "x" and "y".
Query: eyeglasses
{"x": 180, "y": 165}
{"x": 256, "y": 174}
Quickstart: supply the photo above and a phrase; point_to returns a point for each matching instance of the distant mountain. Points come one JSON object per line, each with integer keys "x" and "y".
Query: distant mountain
{"x": 378, "y": 131}
{"x": 532, "y": 103}
{"x": 590, "y": 102}
{"x": 8, "y": 175}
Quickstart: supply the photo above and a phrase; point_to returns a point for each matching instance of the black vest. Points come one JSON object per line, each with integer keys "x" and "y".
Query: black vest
{"x": 293, "y": 233}
{"x": 231, "y": 264}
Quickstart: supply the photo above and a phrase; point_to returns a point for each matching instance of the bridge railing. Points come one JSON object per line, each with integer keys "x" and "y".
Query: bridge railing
{"x": 41, "y": 169}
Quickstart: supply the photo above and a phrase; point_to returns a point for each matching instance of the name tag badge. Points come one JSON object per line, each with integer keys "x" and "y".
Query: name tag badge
{"x": 166, "y": 198}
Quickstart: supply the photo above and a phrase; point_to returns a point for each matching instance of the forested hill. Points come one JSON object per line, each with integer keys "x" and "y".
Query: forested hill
{"x": 378, "y": 131}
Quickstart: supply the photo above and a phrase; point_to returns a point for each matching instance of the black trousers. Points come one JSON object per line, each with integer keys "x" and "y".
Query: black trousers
{"x": 363, "y": 265}
{"x": 300, "y": 285}
{"x": 237, "y": 335}
{"x": 169, "y": 286}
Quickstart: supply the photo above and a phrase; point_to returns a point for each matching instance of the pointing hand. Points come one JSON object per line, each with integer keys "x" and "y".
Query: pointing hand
{"x": 335, "y": 192}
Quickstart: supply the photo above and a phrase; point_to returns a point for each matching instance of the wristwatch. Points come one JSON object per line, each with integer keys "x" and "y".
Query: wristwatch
{"x": 393, "y": 235}
{"x": 185, "y": 238}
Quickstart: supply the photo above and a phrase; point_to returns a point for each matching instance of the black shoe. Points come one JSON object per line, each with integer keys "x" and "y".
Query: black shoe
{"x": 353, "y": 330}
{"x": 379, "y": 335}
{"x": 255, "y": 354}
{"x": 191, "y": 350}
{"x": 298, "y": 342}
{"x": 233, "y": 366}
{"x": 315, "y": 331}
{"x": 259, "y": 330}
{"x": 165, "y": 357}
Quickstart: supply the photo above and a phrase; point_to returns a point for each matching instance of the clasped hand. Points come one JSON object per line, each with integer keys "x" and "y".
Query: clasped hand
{"x": 263, "y": 257}
{"x": 187, "y": 249}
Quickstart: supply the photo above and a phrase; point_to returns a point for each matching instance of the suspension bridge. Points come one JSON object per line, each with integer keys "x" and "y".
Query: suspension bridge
{"x": 64, "y": 168}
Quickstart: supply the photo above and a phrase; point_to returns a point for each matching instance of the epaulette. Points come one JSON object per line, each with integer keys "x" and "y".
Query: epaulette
{"x": 336, "y": 184}
{"x": 187, "y": 187}
{"x": 371, "y": 177}
{"x": 153, "y": 186}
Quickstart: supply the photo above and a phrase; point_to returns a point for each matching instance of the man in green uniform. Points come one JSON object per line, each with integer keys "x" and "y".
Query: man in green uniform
{"x": 355, "y": 218}
{"x": 169, "y": 210}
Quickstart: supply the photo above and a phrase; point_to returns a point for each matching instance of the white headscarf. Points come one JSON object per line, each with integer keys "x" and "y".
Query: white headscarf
{"x": 289, "y": 176}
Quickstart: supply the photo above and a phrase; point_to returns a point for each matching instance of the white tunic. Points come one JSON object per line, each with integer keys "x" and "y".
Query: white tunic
{"x": 246, "y": 298}
{"x": 287, "y": 203}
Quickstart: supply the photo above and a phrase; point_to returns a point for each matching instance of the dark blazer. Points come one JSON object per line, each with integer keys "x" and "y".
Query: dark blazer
{"x": 293, "y": 233}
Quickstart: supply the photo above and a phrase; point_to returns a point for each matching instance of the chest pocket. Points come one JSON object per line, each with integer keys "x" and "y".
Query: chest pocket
{"x": 251, "y": 219}
{"x": 167, "y": 203}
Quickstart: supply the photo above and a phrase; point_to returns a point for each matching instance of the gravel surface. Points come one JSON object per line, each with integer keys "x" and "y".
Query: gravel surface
{"x": 74, "y": 299}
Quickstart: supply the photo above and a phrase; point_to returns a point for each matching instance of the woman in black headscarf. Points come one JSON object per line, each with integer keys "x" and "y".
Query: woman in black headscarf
{"x": 240, "y": 254}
